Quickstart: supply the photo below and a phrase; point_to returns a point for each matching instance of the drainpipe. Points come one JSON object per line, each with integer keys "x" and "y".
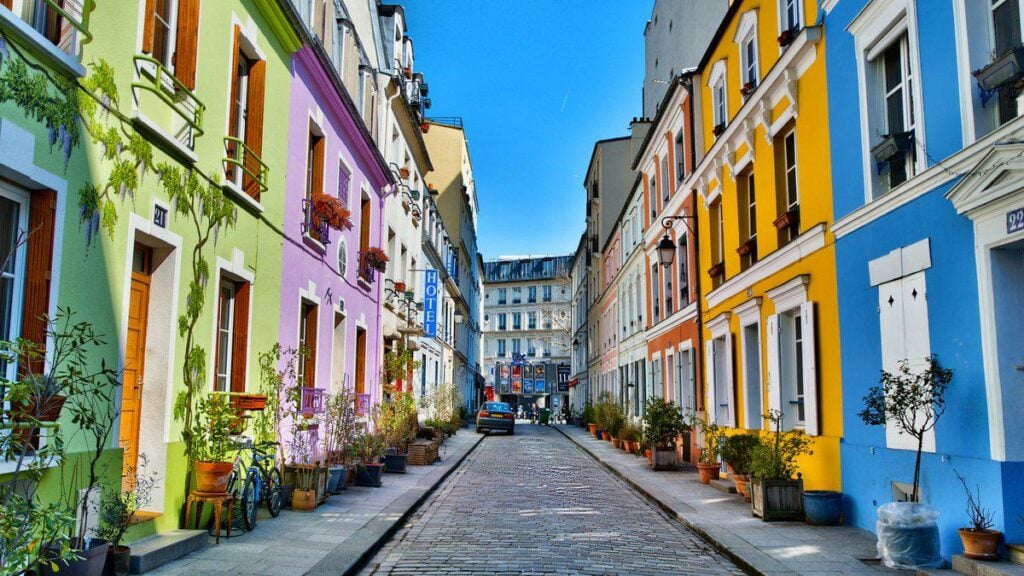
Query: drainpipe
{"x": 696, "y": 251}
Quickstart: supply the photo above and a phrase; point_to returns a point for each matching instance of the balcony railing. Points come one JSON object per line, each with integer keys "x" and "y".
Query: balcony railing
{"x": 241, "y": 159}
{"x": 74, "y": 14}
{"x": 367, "y": 273}
{"x": 153, "y": 77}
{"x": 311, "y": 401}
{"x": 362, "y": 404}
{"x": 313, "y": 225}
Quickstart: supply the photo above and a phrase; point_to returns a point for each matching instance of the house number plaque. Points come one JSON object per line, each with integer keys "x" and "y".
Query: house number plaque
{"x": 1015, "y": 220}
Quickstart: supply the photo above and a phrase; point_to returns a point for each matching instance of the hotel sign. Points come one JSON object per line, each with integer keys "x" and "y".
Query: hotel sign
{"x": 430, "y": 304}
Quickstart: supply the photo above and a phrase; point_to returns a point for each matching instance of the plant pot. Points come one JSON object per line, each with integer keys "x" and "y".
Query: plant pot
{"x": 396, "y": 463}
{"x": 335, "y": 479}
{"x": 28, "y": 438}
{"x": 616, "y": 443}
{"x": 212, "y": 477}
{"x": 91, "y": 561}
{"x": 708, "y": 472}
{"x": 716, "y": 270}
{"x": 592, "y": 428}
{"x": 350, "y": 476}
{"x": 369, "y": 475}
{"x": 303, "y": 500}
{"x": 823, "y": 507}
{"x": 908, "y": 536}
{"x": 650, "y": 456}
{"x": 399, "y": 286}
{"x": 118, "y": 561}
{"x": 777, "y": 499}
{"x": 286, "y": 494}
{"x": 742, "y": 485}
{"x": 983, "y": 545}
{"x": 664, "y": 459}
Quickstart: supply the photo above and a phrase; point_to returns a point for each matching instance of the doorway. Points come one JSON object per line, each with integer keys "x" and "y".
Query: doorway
{"x": 135, "y": 362}
{"x": 338, "y": 357}
{"x": 1008, "y": 318}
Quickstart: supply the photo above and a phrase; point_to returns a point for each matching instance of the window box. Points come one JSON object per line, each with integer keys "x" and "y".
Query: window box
{"x": 748, "y": 247}
{"x": 408, "y": 72}
{"x": 717, "y": 270}
{"x": 787, "y": 37}
{"x": 313, "y": 224}
{"x": 748, "y": 89}
{"x": 1004, "y": 71}
{"x": 787, "y": 219}
{"x": 719, "y": 129}
{"x": 403, "y": 172}
{"x": 254, "y": 402}
{"x": 892, "y": 145}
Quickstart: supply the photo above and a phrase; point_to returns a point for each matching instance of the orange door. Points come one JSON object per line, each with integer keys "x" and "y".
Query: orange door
{"x": 134, "y": 362}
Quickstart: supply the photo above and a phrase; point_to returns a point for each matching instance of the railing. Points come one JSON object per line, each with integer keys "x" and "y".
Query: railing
{"x": 366, "y": 272}
{"x": 362, "y": 404}
{"x": 455, "y": 121}
{"x": 177, "y": 96}
{"x": 240, "y": 156}
{"x": 312, "y": 401}
{"x": 75, "y": 14}
{"x": 313, "y": 225}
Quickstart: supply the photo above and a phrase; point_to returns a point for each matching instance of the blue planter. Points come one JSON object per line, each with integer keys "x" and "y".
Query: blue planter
{"x": 823, "y": 507}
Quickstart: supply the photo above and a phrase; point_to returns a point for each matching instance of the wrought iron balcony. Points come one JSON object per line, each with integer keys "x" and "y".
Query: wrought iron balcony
{"x": 367, "y": 273}
{"x": 362, "y": 404}
{"x": 242, "y": 165}
{"x": 311, "y": 401}
{"x": 313, "y": 225}
{"x": 152, "y": 76}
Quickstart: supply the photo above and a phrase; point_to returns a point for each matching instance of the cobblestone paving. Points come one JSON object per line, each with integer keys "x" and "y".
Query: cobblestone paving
{"x": 533, "y": 503}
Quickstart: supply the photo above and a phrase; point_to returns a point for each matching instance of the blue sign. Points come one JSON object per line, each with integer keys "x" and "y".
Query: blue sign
{"x": 1015, "y": 221}
{"x": 527, "y": 386}
{"x": 430, "y": 304}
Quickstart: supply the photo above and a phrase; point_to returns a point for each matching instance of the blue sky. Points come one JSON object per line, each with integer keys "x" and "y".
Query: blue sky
{"x": 536, "y": 82}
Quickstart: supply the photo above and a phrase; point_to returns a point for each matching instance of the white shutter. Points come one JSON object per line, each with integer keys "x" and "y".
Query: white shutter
{"x": 810, "y": 369}
{"x": 710, "y": 402}
{"x": 730, "y": 388}
{"x": 774, "y": 385}
{"x": 916, "y": 341}
{"x": 890, "y": 318}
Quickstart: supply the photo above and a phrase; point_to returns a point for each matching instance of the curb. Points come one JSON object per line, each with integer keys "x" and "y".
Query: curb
{"x": 740, "y": 562}
{"x": 375, "y": 533}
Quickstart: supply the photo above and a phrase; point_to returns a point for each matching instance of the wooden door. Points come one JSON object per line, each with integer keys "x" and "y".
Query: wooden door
{"x": 360, "y": 361}
{"x": 134, "y": 361}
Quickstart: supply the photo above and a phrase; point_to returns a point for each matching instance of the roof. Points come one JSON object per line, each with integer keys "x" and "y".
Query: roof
{"x": 526, "y": 269}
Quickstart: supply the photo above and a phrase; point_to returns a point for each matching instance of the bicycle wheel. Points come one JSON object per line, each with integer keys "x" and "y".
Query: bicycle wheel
{"x": 249, "y": 502}
{"x": 275, "y": 492}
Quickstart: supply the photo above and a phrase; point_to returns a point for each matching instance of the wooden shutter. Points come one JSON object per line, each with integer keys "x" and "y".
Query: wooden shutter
{"x": 7, "y": 4}
{"x": 810, "y": 369}
{"x": 187, "y": 45}
{"x": 310, "y": 338}
{"x": 240, "y": 337}
{"x": 318, "y": 165}
{"x": 711, "y": 403}
{"x": 38, "y": 269}
{"x": 232, "y": 148}
{"x": 254, "y": 125}
{"x": 774, "y": 382}
{"x": 730, "y": 383}
{"x": 148, "y": 22}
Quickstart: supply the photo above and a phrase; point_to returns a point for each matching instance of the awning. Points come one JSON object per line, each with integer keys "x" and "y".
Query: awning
{"x": 574, "y": 382}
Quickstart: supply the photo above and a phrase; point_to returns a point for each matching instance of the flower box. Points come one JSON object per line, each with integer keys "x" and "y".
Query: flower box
{"x": 748, "y": 247}
{"x": 787, "y": 219}
{"x": 748, "y": 89}
{"x": 775, "y": 499}
{"x": 1005, "y": 70}
{"x": 891, "y": 145}
{"x": 255, "y": 402}
{"x": 719, "y": 129}
{"x": 716, "y": 270}
{"x": 787, "y": 37}
{"x": 403, "y": 173}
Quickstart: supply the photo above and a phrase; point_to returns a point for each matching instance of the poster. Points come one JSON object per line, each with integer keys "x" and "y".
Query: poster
{"x": 517, "y": 379}
{"x": 528, "y": 387}
{"x": 563, "y": 377}
{"x": 504, "y": 379}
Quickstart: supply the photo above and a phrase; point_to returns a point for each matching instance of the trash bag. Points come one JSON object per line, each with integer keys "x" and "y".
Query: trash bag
{"x": 908, "y": 536}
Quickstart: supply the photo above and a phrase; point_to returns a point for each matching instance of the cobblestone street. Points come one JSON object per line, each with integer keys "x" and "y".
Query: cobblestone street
{"x": 533, "y": 503}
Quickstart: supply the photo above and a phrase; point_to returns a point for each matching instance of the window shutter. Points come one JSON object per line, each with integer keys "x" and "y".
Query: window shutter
{"x": 711, "y": 403}
{"x": 38, "y": 269}
{"x": 310, "y": 337}
{"x": 233, "y": 152}
{"x": 774, "y": 386}
{"x": 810, "y": 369}
{"x": 186, "y": 49}
{"x": 254, "y": 125}
{"x": 240, "y": 341}
{"x": 730, "y": 388}
{"x": 148, "y": 23}
{"x": 7, "y": 4}
{"x": 318, "y": 165}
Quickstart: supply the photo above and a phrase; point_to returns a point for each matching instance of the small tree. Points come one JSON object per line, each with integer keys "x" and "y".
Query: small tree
{"x": 775, "y": 457}
{"x": 121, "y": 505}
{"x": 911, "y": 401}
{"x": 663, "y": 423}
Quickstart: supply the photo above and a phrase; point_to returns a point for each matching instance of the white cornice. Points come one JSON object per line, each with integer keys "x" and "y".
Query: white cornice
{"x": 749, "y": 312}
{"x": 719, "y": 325}
{"x": 791, "y": 294}
{"x": 681, "y": 316}
{"x": 806, "y": 244}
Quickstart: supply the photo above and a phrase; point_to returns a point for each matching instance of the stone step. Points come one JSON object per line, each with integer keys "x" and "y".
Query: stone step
{"x": 936, "y": 572}
{"x": 727, "y": 486}
{"x": 964, "y": 565}
{"x": 155, "y": 551}
{"x": 1016, "y": 553}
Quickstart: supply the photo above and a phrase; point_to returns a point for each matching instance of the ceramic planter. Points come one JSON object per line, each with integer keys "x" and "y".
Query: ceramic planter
{"x": 777, "y": 499}
{"x": 823, "y": 507}
{"x": 303, "y": 500}
{"x": 592, "y": 428}
{"x": 981, "y": 545}
{"x": 708, "y": 472}
{"x": 396, "y": 463}
{"x": 369, "y": 475}
{"x": 650, "y": 456}
{"x": 91, "y": 560}
{"x": 336, "y": 479}
{"x": 212, "y": 477}
{"x": 118, "y": 561}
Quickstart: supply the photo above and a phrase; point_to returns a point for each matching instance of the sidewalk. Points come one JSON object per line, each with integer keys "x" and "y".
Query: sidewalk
{"x": 335, "y": 538}
{"x": 725, "y": 521}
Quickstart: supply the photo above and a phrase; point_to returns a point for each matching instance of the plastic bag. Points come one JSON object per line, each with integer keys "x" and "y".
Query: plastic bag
{"x": 908, "y": 536}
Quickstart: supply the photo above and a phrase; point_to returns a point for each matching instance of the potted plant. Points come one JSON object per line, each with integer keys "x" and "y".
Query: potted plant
{"x": 304, "y": 467}
{"x": 748, "y": 88}
{"x": 911, "y": 401}
{"x": 718, "y": 129}
{"x": 736, "y": 451}
{"x": 370, "y": 449}
{"x": 119, "y": 512}
{"x": 329, "y": 210}
{"x": 395, "y": 421}
{"x": 212, "y": 444}
{"x": 823, "y": 507}
{"x": 663, "y": 424}
{"x": 717, "y": 269}
{"x": 341, "y": 424}
{"x": 787, "y": 37}
{"x": 787, "y": 219}
{"x": 629, "y": 436}
{"x": 375, "y": 259}
{"x": 399, "y": 286}
{"x": 616, "y": 421}
{"x": 979, "y": 540}
{"x": 708, "y": 464}
{"x": 775, "y": 493}
{"x": 588, "y": 418}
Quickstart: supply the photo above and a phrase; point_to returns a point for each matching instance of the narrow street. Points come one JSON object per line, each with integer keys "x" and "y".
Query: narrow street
{"x": 533, "y": 503}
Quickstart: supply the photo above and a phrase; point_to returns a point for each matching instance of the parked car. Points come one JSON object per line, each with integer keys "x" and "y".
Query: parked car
{"x": 496, "y": 416}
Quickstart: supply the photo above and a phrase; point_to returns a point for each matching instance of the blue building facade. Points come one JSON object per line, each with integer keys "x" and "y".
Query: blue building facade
{"x": 928, "y": 184}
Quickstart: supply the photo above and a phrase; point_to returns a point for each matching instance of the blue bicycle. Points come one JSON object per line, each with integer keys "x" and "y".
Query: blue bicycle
{"x": 262, "y": 482}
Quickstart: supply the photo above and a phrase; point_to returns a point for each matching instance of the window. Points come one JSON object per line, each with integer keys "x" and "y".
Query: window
{"x": 364, "y": 233}
{"x": 517, "y": 346}
{"x": 502, "y": 296}
{"x": 751, "y": 368}
{"x": 791, "y": 367}
{"x": 14, "y": 224}
{"x": 680, "y": 158}
{"x": 307, "y": 344}
{"x": 232, "y": 336}
{"x": 344, "y": 183}
{"x": 746, "y": 41}
{"x": 684, "y": 271}
{"x": 531, "y": 294}
{"x": 1006, "y": 36}
{"x": 531, "y": 320}
{"x": 245, "y": 120}
{"x": 501, "y": 348}
{"x": 719, "y": 97}
{"x": 667, "y": 278}
{"x": 666, "y": 191}
{"x": 547, "y": 320}
{"x": 517, "y": 295}
{"x": 314, "y": 183}
{"x": 342, "y": 258}
{"x": 502, "y": 321}
{"x": 517, "y": 321}
{"x": 748, "y": 220}
{"x": 788, "y": 222}
{"x": 531, "y": 349}
{"x": 789, "y": 15}
{"x": 720, "y": 105}
{"x": 171, "y": 35}
{"x": 547, "y": 294}
{"x": 546, "y": 347}
{"x": 898, "y": 104}
{"x": 655, "y": 300}
{"x": 717, "y": 270}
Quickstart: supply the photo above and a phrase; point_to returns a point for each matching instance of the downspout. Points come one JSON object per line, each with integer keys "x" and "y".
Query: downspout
{"x": 696, "y": 250}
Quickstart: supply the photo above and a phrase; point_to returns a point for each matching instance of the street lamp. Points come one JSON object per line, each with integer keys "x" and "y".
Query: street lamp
{"x": 666, "y": 248}
{"x": 575, "y": 344}
{"x": 458, "y": 316}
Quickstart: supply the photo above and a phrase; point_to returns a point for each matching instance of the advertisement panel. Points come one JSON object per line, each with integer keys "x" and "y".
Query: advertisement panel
{"x": 564, "y": 371}
{"x": 517, "y": 379}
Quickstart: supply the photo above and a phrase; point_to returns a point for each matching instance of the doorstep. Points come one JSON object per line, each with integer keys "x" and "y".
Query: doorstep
{"x": 725, "y": 521}
{"x": 154, "y": 551}
{"x": 965, "y": 565}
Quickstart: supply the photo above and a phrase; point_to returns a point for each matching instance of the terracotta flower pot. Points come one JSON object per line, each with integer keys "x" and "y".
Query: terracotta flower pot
{"x": 303, "y": 500}
{"x": 708, "y": 472}
{"x": 742, "y": 484}
{"x": 983, "y": 545}
{"x": 650, "y": 456}
{"x": 213, "y": 476}
{"x": 592, "y": 428}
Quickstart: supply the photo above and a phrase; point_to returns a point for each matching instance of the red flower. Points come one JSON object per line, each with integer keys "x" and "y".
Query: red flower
{"x": 330, "y": 211}
{"x": 376, "y": 258}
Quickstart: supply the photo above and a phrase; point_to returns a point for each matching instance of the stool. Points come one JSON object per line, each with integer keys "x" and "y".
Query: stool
{"x": 219, "y": 499}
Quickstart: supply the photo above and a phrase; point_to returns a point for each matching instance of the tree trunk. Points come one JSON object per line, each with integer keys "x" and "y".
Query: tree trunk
{"x": 917, "y": 469}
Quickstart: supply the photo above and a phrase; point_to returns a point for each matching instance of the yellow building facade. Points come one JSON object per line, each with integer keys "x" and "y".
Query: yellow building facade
{"x": 768, "y": 284}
